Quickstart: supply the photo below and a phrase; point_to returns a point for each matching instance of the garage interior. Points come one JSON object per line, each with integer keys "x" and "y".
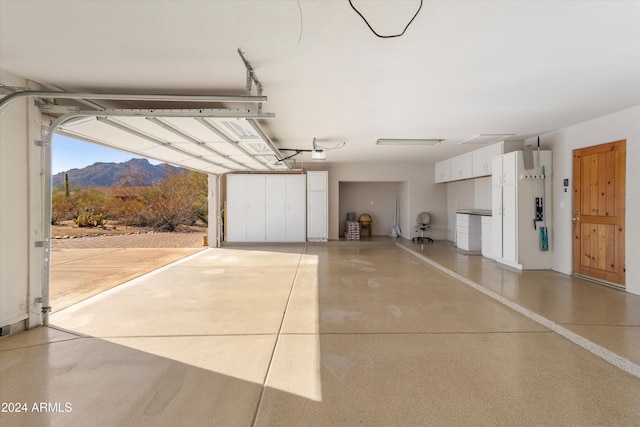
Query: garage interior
{"x": 323, "y": 331}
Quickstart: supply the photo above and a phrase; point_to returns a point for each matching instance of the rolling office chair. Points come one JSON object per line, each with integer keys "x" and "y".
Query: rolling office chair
{"x": 423, "y": 222}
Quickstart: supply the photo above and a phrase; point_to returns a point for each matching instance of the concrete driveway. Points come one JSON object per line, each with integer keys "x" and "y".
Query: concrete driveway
{"x": 84, "y": 267}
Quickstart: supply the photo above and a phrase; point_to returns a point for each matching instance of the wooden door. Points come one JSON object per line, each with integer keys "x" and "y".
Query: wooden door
{"x": 599, "y": 176}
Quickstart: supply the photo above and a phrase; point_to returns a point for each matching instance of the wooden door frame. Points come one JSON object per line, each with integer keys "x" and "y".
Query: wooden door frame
{"x": 620, "y": 275}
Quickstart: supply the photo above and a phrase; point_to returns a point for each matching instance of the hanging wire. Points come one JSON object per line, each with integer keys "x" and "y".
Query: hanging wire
{"x": 382, "y": 36}
{"x": 301, "y": 27}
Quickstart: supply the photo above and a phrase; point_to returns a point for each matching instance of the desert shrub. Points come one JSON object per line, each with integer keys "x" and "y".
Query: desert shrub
{"x": 180, "y": 199}
{"x": 79, "y": 201}
{"x": 62, "y": 208}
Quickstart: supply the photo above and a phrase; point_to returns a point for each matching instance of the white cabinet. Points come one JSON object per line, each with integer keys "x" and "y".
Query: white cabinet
{"x": 468, "y": 232}
{"x": 515, "y": 241}
{"x": 496, "y": 150}
{"x": 317, "y": 206}
{"x": 477, "y": 163}
{"x": 504, "y": 208}
{"x": 461, "y": 167}
{"x": 285, "y": 208}
{"x": 443, "y": 171}
{"x": 246, "y": 214}
{"x": 482, "y": 159}
{"x": 480, "y": 166}
{"x": 266, "y": 208}
{"x": 486, "y": 236}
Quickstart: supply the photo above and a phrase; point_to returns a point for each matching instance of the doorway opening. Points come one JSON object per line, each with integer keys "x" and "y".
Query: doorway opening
{"x": 104, "y": 231}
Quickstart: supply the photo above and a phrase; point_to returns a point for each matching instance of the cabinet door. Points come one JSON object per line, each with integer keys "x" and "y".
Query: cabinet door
{"x": 317, "y": 205}
{"x": 275, "y": 208}
{"x": 487, "y": 234}
{"x": 317, "y": 181}
{"x": 479, "y": 162}
{"x": 466, "y": 166}
{"x": 256, "y": 208}
{"x": 236, "y": 208}
{"x": 496, "y": 218}
{"x": 317, "y": 216}
{"x": 510, "y": 168}
{"x": 443, "y": 171}
{"x": 296, "y": 208}
{"x": 496, "y": 172}
{"x": 491, "y": 152}
{"x": 509, "y": 223}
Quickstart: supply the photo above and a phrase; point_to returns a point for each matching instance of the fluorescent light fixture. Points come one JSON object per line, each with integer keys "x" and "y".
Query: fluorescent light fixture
{"x": 318, "y": 154}
{"x": 392, "y": 141}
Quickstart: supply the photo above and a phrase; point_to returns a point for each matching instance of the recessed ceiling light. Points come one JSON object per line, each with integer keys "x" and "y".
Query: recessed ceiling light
{"x": 393, "y": 141}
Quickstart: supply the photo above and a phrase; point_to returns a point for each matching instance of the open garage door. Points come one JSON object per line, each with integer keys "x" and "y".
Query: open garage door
{"x": 193, "y": 139}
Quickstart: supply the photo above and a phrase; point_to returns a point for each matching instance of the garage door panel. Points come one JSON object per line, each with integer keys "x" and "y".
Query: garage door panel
{"x": 148, "y": 132}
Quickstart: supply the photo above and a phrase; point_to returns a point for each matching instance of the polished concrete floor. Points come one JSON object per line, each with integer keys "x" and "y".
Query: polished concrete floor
{"x": 338, "y": 334}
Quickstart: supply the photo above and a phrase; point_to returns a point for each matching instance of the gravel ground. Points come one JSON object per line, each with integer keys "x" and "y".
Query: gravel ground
{"x": 142, "y": 240}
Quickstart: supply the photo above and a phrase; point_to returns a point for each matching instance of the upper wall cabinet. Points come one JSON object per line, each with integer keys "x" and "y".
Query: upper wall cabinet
{"x": 443, "y": 171}
{"x": 474, "y": 164}
{"x": 462, "y": 166}
{"x": 482, "y": 159}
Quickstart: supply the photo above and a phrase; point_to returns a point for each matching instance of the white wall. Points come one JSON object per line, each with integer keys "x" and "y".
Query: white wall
{"x": 467, "y": 194}
{"x": 378, "y": 199}
{"x": 418, "y": 193}
{"x": 21, "y": 211}
{"x": 614, "y": 127}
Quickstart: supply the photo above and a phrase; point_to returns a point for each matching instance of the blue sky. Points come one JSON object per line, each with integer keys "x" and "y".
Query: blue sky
{"x": 68, "y": 153}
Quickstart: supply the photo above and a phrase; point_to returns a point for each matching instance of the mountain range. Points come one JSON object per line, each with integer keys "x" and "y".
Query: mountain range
{"x": 138, "y": 172}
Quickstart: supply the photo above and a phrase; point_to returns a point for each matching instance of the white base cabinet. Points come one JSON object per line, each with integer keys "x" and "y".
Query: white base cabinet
{"x": 468, "y": 232}
{"x": 266, "y": 208}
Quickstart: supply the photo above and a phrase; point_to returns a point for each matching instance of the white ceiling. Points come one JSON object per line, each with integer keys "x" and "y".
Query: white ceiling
{"x": 462, "y": 68}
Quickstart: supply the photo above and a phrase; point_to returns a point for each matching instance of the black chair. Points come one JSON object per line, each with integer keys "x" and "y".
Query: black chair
{"x": 423, "y": 222}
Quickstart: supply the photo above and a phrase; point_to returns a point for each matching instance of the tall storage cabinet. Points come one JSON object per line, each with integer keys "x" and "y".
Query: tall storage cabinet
{"x": 285, "y": 208}
{"x": 503, "y": 207}
{"x": 515, "y": 242}
{"x": 246, "y": 208}
{"x": 266, "y": 208}
{"x": 317, "y": 206}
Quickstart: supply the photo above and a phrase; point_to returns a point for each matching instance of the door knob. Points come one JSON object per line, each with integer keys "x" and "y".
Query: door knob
{"x": 576, "y": 219}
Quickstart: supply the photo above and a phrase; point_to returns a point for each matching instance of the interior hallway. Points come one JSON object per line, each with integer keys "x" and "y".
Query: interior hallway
{"x": 344, "y": 333}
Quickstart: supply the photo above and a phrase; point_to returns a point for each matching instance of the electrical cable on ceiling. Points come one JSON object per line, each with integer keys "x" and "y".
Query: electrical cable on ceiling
{"x": 382, "y": 36}
{"x": 301, "y": 27}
